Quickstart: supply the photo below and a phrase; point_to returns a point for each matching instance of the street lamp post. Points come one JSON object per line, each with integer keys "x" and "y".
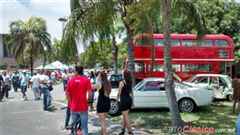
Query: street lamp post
{"x": 63, "y": 20}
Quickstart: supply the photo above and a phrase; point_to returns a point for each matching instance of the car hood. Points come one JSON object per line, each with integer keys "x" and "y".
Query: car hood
{"x": 188, "y": 83}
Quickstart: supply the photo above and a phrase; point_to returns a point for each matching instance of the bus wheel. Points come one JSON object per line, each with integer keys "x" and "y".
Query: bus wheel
{"x": 114, "y": 108}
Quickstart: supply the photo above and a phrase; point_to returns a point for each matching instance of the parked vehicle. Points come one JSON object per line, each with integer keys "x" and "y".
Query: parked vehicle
{"x": 221, "y": 85}
{"x": 114, "y": 79}
{"x": 211, "y": 55}
{"x": 151, "y": 93}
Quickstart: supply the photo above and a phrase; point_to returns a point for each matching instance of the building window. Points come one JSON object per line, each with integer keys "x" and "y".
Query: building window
{"x": 6, "y": 54}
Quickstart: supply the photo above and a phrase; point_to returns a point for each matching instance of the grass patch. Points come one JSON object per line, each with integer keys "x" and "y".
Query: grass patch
{"x": 217, "y": 115}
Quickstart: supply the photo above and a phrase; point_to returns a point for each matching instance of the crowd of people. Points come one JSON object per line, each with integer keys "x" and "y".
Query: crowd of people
{"x": 40, "y": 84}
{"x": 80, "y": 88}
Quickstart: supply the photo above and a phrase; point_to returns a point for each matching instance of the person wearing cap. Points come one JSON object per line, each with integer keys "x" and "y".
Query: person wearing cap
{"x": 35, "y": 85}
{"x": 24, "y": 84}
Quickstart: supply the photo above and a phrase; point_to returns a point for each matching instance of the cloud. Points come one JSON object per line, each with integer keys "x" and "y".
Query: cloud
{"x": 50, "y": 10}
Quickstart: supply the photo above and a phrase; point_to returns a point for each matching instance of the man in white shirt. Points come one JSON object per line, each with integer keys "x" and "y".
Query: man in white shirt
{"x": 6, "y": 83}
{"x": 47, "y": 98}
{"x": 36, "y": 86}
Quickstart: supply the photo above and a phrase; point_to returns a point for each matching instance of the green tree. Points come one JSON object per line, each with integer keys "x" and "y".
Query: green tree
{"x": 220, "y": 17}
{"x": 28, "y": 39}
{"x": 94, "y": 55}
{"x": 97, "y": 19}
{"x": 56, "y": 53}
{"x": 192, "y": 12}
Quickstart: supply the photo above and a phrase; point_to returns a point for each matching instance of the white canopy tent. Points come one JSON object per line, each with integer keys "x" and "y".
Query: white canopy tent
{"x": 59, "y": 65}
{"x": 49, "y": 66}
{"x": 55, "y": 65}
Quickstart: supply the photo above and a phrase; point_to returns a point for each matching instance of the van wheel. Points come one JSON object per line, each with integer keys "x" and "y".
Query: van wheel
{"x": 114, "y": 108}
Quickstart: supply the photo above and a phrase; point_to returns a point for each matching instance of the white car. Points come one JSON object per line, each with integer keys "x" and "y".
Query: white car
{"x": 221, "y": 85}
{"x": 151, "y": 93}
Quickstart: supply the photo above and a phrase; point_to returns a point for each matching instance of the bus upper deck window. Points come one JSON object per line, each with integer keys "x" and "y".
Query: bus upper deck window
{"x": 221, "y": 43}
{"x": 175, "y": 42}
{"x": 143, "y": 41}
{"x": 158, "y": 42}
{"x": 186, "y": 42}
{"x": 206, "y": 43}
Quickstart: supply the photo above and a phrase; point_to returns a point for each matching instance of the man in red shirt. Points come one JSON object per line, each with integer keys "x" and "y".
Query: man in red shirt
{"x": 78, "y": 88}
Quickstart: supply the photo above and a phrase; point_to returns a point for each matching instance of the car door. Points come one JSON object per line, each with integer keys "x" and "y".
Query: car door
{"x": 216, "y": 88}
{"x": 150, "y": 95}
{"x": 223, "y": 84}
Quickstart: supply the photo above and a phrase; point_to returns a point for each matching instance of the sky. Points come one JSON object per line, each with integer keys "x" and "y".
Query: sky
{"x": 50, "y": 10}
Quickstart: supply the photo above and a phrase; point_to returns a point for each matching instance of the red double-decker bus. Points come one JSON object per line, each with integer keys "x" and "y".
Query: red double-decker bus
{"x": 212, "y": 55}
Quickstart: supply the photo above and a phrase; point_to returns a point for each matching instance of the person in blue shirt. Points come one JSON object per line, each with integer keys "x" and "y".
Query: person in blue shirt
{"x": 15, "y": 81}
{"x": 24, "y": 84}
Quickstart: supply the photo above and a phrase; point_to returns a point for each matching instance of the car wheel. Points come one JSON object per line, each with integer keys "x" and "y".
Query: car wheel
{"x": 230, "y": 98}
{"x": 186, "y": 105}
{"x": 114, "y": 108}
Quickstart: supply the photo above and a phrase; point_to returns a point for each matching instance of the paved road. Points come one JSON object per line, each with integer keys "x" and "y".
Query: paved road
{"x": 28, "y": 118}
{"x": 19, "y": 117}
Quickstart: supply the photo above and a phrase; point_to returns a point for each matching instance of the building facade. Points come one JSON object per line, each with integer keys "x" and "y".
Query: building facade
{"x": 8, "y": 60}
{"x": 5, "y": 58}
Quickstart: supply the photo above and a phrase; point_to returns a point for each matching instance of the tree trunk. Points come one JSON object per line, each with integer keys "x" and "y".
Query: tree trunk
{"x": 114, "y": 53}
{"x": 130, "y": 53}
{"x": 169, "y": 81}
{"x": 75, "y": 61}
{"x": 150, "y": 28}
{"x": 31, "y": 61}
{"x": 44, "y": 58}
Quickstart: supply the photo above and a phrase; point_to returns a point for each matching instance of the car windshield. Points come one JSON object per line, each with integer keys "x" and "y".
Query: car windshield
{"x": 191, "y": 79}
{"x": 140, "y": 83}
{"x": 228, "y": 80}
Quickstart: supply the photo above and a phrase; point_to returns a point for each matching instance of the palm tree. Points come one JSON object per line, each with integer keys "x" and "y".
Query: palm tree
{"x": 194, "y": 15}
{"x": 97, "y": 19}
{"x": 28, "y": 39}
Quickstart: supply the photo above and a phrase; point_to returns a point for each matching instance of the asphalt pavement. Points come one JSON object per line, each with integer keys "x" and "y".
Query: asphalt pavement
{"x": 28, "y": 118}
{"x": 19, "y": 117}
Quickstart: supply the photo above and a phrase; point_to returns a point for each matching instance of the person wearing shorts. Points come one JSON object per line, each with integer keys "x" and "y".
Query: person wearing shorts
{"x": 24, "y": 83}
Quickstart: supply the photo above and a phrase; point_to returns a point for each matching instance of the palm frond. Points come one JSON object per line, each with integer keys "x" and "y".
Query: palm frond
{"x": 193, "y": 15}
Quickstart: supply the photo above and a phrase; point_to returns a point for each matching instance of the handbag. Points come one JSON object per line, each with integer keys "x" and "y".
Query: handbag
{"x": 50, "y": 87}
